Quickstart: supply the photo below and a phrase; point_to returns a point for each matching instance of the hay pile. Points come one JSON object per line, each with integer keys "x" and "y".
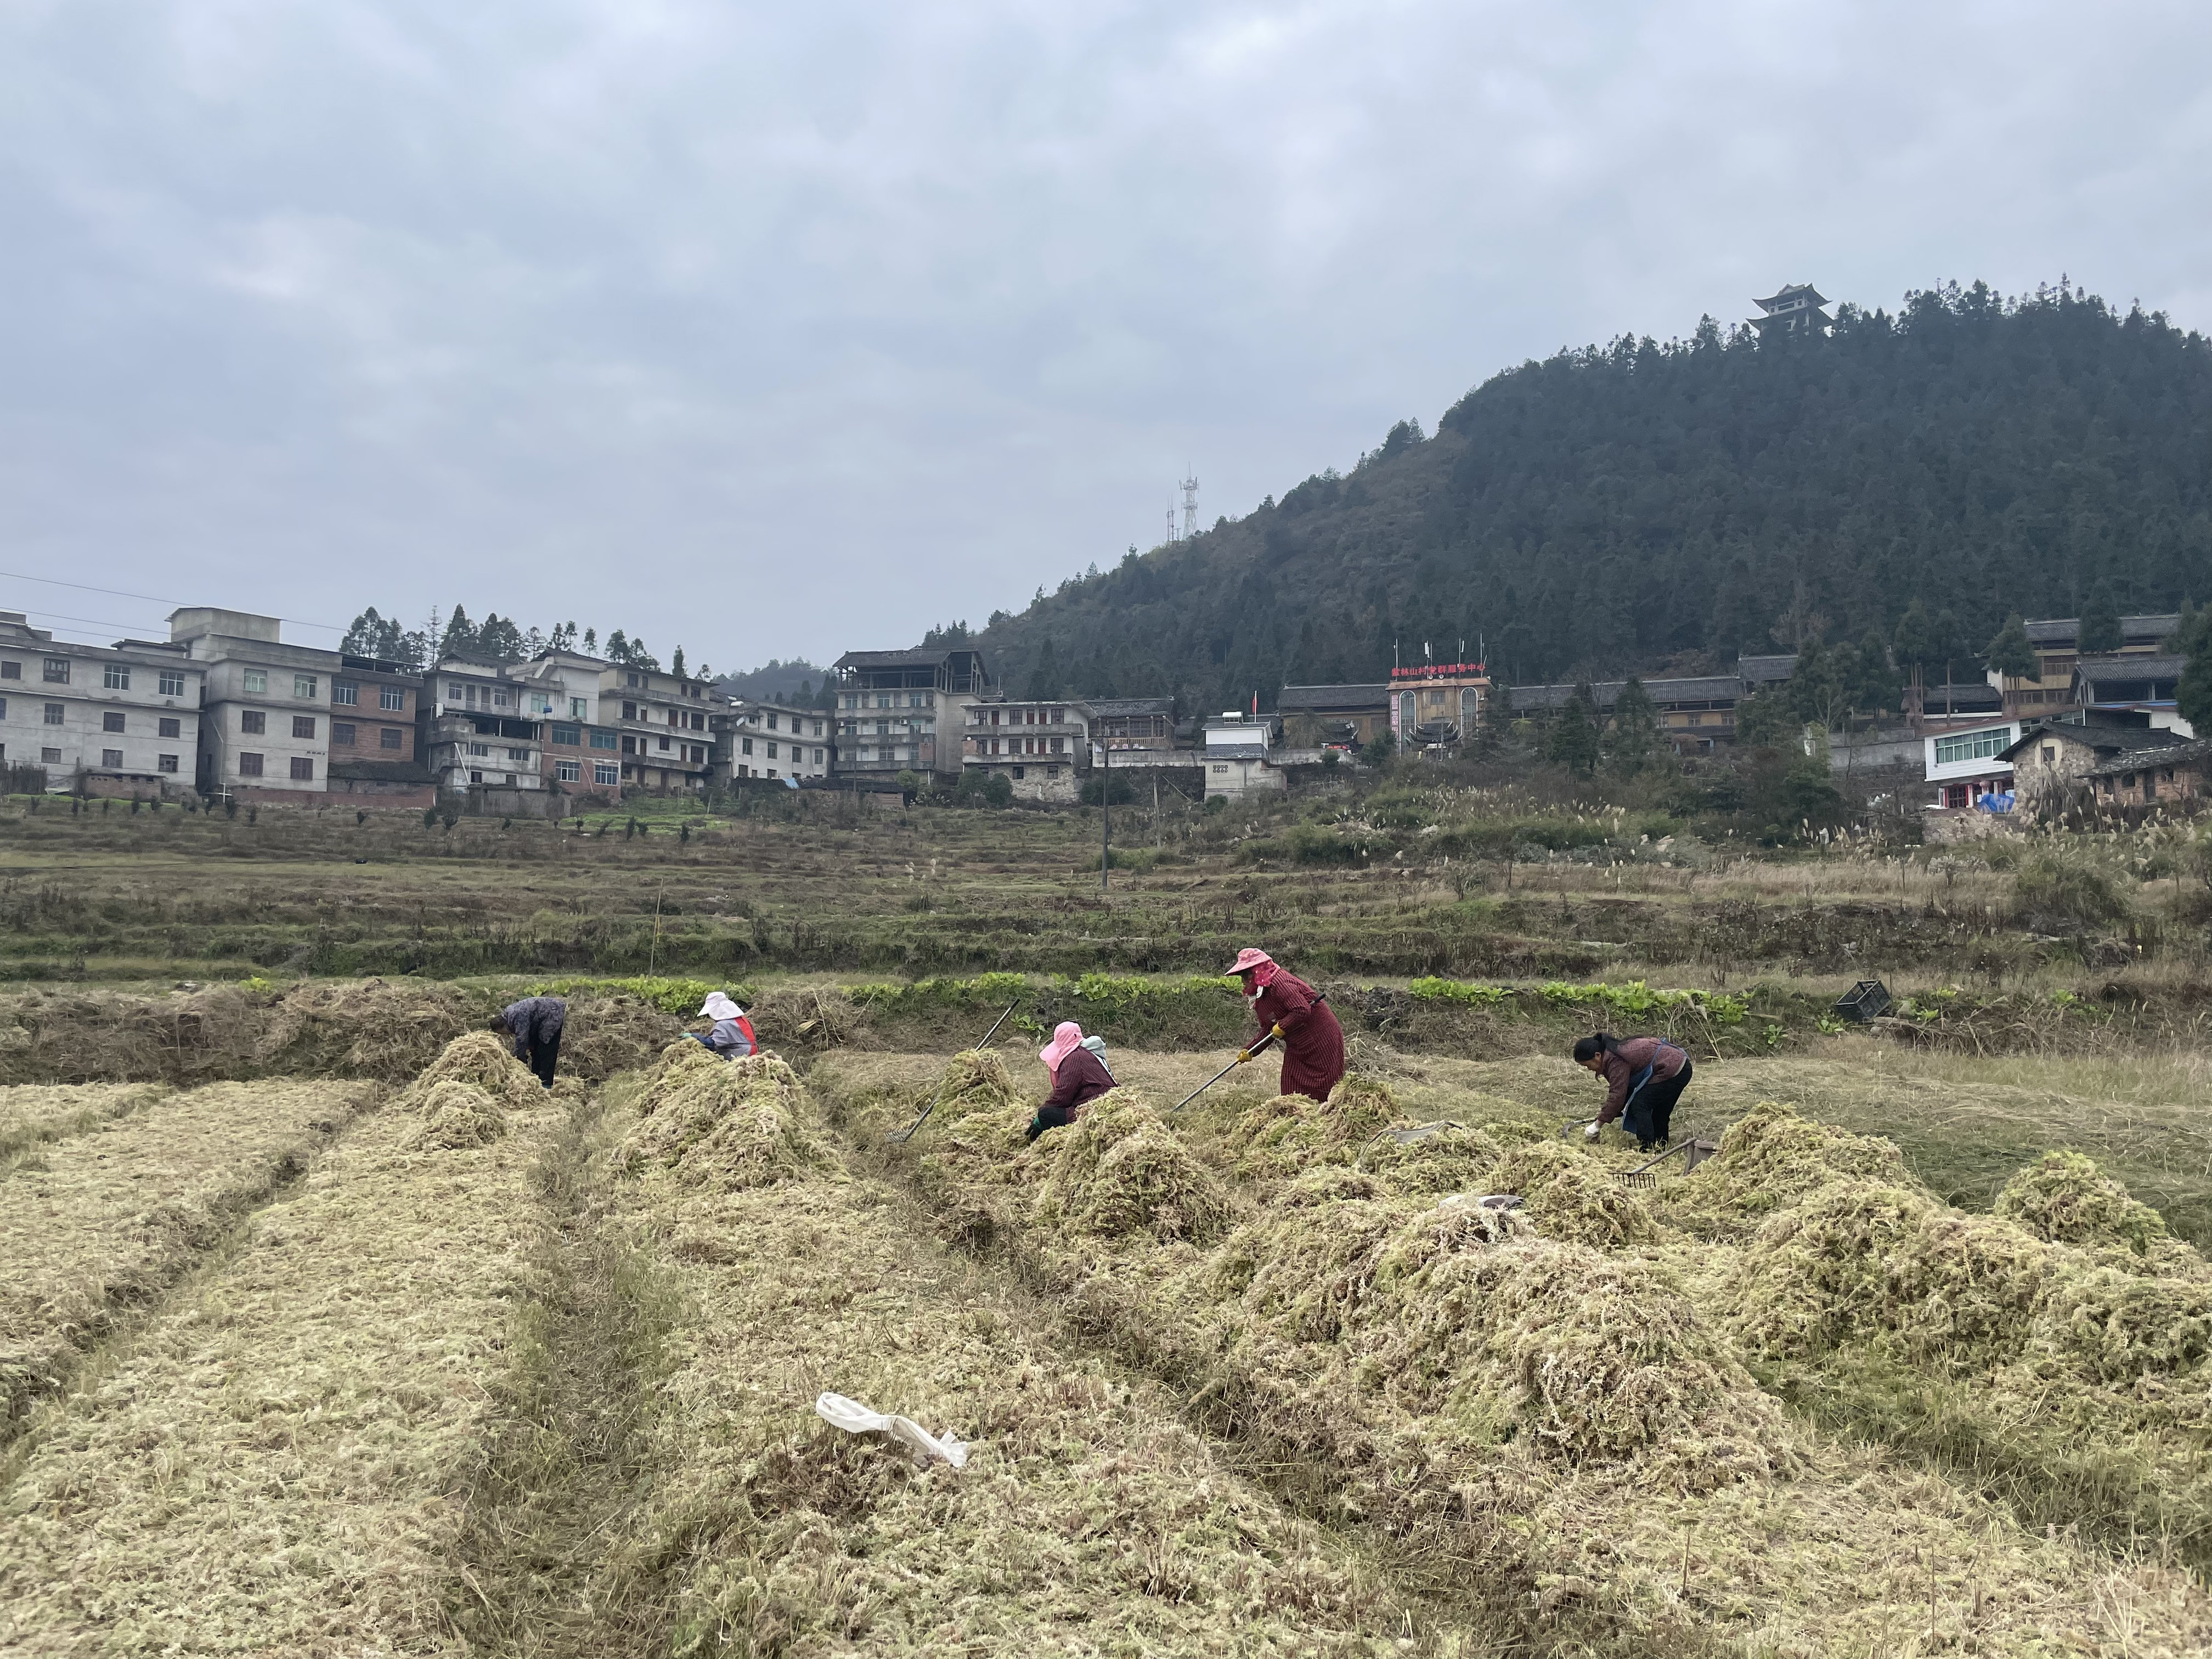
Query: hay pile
{"x": 1119, "y": 1170}
{"x": 973, "y": 1081}
{"x": 1282, "y": 1136}
{"x": 483, "y": 1061}
{"x": 1544, "y": 1399}
{"x": 2065, "y": 1198}
{"x": 382, "y": 1029}
{"x": 806, "y": 1017}
{"x": 456, "y": 1114}
{"x": 733, "y": 1125}
{"x": 273, "y": 1467}
{"x": 604, "y": 1035}
{"x": 33, "y": 1114}
{"x": 110, "y": 1217}
{"x": 1090, "y": 1518}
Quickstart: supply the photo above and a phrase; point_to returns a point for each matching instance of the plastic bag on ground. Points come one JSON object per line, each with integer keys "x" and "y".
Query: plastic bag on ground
{"x": 854, "y": 1418}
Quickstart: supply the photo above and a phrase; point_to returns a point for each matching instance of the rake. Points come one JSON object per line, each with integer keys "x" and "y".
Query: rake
{"x": 900, "y": 1137}
{"x": 1265, "y": 1043}
{"x": 1697, "y": 1150}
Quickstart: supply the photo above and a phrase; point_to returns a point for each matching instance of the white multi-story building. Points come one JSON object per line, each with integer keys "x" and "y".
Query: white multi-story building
{"x": 476, "y": 735}
{"x": 1035, "y": 745}
{"x": 772, "y": 740}
{"x": 1964, "y": 765}
{"x": 112, "y": 720}
{"x": 266, "y": 716}
{"x": 906, "y": 711}
{"x": 1239, "y": 756}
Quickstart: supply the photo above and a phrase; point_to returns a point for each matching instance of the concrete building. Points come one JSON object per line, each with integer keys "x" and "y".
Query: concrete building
{"x": 757, "y": 739}
{"x": 1240, "y": 757}
{"x": 476, "y": 738}
{"x": 1133, "y": 728}
{"x": 375, "y": 710}
{"x": 265, "y": 713}
{"x": 1963, "y": 764}
{"x": 1434, "y": 707}
{"x": 1338, "y": 716}
{"x": 2143, "y": 682}
{"x": 2055, "y": 640}
{"x": 1694, "y": 714}
{"x": 107, "y": 721}
{"x": 906, "y": 711}
{"x": 1038, "y": 747}
{"x": 664, "y": 724}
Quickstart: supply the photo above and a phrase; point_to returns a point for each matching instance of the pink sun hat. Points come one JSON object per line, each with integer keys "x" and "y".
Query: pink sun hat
{"x": 1248, "y": 958}
{"x": 1067, "y": 1038}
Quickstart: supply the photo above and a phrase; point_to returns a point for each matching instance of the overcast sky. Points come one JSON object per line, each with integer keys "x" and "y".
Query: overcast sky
{"x": 771, "y": 330}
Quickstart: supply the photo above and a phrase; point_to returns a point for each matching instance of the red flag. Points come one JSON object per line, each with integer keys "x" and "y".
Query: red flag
{"x": 1255, "y": 705}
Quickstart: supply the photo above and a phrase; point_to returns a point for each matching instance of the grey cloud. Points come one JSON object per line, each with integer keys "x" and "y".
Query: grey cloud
{"x": 860, "y": 319}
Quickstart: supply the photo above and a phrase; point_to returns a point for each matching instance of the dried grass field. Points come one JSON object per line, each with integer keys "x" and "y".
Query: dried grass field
{"x": 324, "y": 1330}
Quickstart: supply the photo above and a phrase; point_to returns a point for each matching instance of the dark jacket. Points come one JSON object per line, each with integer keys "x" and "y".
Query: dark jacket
{"x": 533, "y": 1019}
{"x": 1081, "y": 1078}
{"x": 1626, "y": 1061}
{"x": 1313, "y": 1043}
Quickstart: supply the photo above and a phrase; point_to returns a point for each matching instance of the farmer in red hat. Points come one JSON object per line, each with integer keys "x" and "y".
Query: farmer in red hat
{"x": 1285, "y": 1004}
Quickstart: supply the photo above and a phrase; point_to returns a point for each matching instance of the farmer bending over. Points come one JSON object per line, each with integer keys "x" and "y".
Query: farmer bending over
{"x": 1645, "y": 1076}
{"x": 1285, "y": 1004}
{"x": 732, "y": 1037}
{"x": 535, "y": 1024}
{"x": 1079, "y": 1074}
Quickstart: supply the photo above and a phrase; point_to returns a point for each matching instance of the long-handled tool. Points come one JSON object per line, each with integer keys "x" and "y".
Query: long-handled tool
{"x": 900, "y": 1137}
{"x": 1247, "y": 1053}
{"x": 1698, "y": 1151}
{"x": 1320, "y": 997}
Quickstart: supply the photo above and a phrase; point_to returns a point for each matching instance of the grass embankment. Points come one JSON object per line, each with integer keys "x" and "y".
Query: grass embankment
{"x": 1089, "y": 1517}
{"x": 1549, "y": 1397}
{"x": 102, "y": 1222}
{"x": 273, "y": 1467}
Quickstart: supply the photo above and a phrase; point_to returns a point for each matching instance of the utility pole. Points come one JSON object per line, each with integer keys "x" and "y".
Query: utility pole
{"x": 1105, "y": 810}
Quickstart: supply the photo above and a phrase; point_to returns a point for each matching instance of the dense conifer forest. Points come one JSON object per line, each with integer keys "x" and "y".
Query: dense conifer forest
{"x": 1665, "y": 507}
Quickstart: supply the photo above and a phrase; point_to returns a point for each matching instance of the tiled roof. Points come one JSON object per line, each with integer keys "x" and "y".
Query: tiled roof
{"x": 1320, "y": 699}
{"x": 2189, "y": 752}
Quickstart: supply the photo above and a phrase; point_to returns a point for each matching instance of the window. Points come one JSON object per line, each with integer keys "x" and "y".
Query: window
{"x": 115, "y": 675}
{"x": 1221, "y": 768}
{"x": 11, "y": 670}
{"x": 499, "y": 697}
{"x": 476, "y": 777}
{"x": 771, "y": 752}
{"x": 540, "y": 704}
{"x": 2049, "y": 755}
{"x": 345, "y": 693}
{"x": 165, "y": 762}
{"x": 303, "y": 725}
{"x": 112, "y": 720}
{"x": 252, "y": 722}
{"x": 746, "y": 746}
{"x": 882, "y": 699}
{"x": 303, "y": 685}
{"x": 519, "y": 756}
{"x": 630, "y": 745}
{"x": 112, "y": 759}
{"x": 1021, "y": 771}
{"x": 1973, "y": 745}
{"x": 818, "y": 757}
{"x": 664, "y": 745}
{"x": 629, "y": 711}
{"x": 342, "y": 733}
{"x": 4, "y": 715}
{"x": 817, "y": 728}
{"x": 771, "y": 722}
{"x": 57, "y": 671}
{"x": 603, "y": 740}
{"x": 604, "y": 772}
{"x": 454, "y": 689}
{"x": 303, "y": 770}
{"x": 170, "y": 726}
{"x": 249, "y": 763}
{"x": 568, "y": 771}
{"x": 567, "y": 734}
{"x": 49, "y": 757}
{"x": 390, "y": 736}
{"x": 257, "y": 681}
{"x": 479, "y": 752}
{"x": 632, "y": 680}
{"x": 392, "y": 698}
{"x": 54, "y": 713}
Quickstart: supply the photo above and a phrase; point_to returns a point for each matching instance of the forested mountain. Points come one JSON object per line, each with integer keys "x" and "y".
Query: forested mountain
{"x": 1649, "y": 506}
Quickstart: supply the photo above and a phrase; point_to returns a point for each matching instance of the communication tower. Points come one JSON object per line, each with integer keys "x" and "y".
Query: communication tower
{"x": 1190, "y": 506}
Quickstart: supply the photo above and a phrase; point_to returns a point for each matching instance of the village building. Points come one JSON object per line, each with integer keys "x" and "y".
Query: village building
{"x": 105, "y": 721}
{"x": 2054, "y": 641}
{"x": 1037, "y": 746}
{"x": 374, "y": 709}
{"x": 2053, "y": 762}
{"x": 664, "y": 726}
{"x": 266, "y": 710}
{"x": 1435, "y": 706}
{"x": 2140, "y": 777}
{"x": 1335, "y": 716}
{"x": 1964, "y": 767}
{"x": 2143, "y": 683}
{"x": 1694, "y": 714}
{"x": 1792, "y": 312}
{"x": 1135, "y": 728}
{"x": 1241, "y": 756}
{"x": 559, "y": 692}
{"x": 906, "y": 711}
{"x": 772, "y": 740}
{"x": 476, "y": 738}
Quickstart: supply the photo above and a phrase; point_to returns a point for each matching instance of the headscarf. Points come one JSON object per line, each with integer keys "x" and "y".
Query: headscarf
{"x": 1262, "y": 967}
{"x": 719, "y": 1006}
{"x": 1067, "y": 1038}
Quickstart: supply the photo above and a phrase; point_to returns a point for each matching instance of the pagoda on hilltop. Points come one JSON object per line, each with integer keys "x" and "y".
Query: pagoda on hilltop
{"x": 1794, "y": 311}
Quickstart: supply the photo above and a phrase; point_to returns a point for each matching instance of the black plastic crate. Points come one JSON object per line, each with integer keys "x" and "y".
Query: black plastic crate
{"x": 1867, "y": 1000}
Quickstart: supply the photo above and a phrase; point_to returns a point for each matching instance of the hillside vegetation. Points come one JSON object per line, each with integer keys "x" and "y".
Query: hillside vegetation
{"x": 1647, "y": 504}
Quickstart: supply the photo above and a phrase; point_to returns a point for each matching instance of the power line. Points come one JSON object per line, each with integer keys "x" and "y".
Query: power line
{"x": 151, "y": 598}
{"x": 97, "y": 622}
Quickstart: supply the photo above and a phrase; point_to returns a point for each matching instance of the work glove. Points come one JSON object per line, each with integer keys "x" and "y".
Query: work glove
{"x": 1591, "y": 1133}
{"x": 1244, "y": 1056}
{"x": 1279, "y": 1033}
